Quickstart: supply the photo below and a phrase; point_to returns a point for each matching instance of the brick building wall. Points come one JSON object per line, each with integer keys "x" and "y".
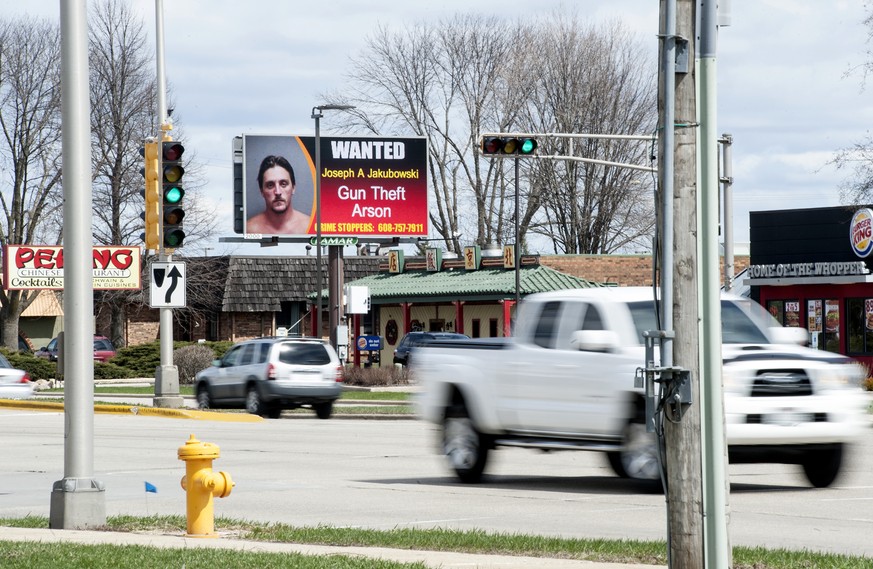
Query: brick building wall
{"x": 143, "y": 325}
{"x": 623, "y": 270}
{"x": 248, "y": 325}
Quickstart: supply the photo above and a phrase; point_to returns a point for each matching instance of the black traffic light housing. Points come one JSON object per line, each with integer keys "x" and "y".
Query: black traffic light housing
{"x": 173, "y": 192}
{"x": 509, "y": 145}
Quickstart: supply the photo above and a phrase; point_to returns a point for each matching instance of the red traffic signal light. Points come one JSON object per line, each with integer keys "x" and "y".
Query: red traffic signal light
{"x": 508, "y": 145}
{"x": 172, "y": 151}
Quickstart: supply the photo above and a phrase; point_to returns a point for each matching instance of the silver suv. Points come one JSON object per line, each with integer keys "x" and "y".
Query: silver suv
{"x": 267, "y": 375}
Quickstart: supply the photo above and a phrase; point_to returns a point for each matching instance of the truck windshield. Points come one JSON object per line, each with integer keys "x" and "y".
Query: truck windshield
{"x": 737, "y": 324}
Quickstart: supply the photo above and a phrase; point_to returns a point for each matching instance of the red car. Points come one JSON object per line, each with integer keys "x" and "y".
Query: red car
{"x": 103, "y": 350}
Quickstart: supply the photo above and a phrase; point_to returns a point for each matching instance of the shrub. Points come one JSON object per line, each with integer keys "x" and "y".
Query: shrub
{"x": 376, "y": 376}
{"x": 218, "y": 348}
{"x": 109, "y": 370}
{"x": 140, "y": 360}
{"x": 36, "y": 368}
{"x": 191, "y": 359}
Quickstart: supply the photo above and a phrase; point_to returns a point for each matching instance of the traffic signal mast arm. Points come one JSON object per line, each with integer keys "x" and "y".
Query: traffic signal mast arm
{"x": 527, "y": 144}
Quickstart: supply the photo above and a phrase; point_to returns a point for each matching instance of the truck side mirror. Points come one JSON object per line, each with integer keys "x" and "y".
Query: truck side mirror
{"x": 594, "y": 340}
{"x": 780, "y": 335}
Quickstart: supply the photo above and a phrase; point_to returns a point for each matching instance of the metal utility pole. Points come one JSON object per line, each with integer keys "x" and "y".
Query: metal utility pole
{"x": 713, "y": 442}
{"x": 682, "y": 430}
{"x": 78, "y": 501}
{"x": 335, "y": 279}
{"x": 334, "y": 257}
{"x": 167, "y": 374}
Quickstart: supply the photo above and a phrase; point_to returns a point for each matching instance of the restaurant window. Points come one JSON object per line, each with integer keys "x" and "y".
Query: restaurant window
{"x": 786, "y": 312}
{"x": 823, "y": 324}
{"x": 859, "y": 325}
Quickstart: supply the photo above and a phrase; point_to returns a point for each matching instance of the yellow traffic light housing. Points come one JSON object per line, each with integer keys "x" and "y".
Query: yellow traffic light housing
{"x": 152, "y": 193}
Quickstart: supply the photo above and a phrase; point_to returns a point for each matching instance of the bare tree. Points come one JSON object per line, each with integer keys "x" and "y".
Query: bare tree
{"x": 122, "y": 90}
{"x": 857, "y": 187}
{"x": 30, "y": 146}
{"x": 123, "y": 115}
{"x": 441, "y": 81}
{"x": 453, "y": 79}
{"x": 590, "y": 80}
{"x": 122, "y": 86}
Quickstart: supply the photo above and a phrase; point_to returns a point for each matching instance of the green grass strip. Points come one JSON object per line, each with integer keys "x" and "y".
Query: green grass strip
{"x": 614, "y": 551}
{"x": 29, "y": 555}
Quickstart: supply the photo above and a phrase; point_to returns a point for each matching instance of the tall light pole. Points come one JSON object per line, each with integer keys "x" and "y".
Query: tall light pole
{"x": 317, "y": 114}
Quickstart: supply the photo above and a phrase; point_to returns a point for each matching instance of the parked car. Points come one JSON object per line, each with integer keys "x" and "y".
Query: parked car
{"x": 14, "y": 383}
{"x": 417, "y": 339}
{"x": 103, "y": 350}
{"x": 267, "y": 375}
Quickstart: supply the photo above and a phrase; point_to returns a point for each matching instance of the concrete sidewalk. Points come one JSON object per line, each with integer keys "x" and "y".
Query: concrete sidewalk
{"x": 434, "y": 559}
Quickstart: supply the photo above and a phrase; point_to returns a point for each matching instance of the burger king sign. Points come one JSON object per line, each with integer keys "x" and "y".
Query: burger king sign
{"x": 861, "y": 232}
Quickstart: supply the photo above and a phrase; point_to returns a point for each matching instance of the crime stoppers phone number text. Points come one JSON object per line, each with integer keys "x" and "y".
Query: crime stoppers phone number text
{"x": 401, "y": 228}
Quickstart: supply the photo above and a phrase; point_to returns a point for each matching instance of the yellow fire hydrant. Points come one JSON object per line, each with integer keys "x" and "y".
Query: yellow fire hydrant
{"x": 201, "y": 484}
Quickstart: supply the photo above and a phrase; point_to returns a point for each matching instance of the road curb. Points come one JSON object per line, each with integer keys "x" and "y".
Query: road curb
{"x": 138, "y": 411}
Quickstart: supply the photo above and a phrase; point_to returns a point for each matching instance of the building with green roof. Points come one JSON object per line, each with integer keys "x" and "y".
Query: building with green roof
{"x": 475, "y": 296}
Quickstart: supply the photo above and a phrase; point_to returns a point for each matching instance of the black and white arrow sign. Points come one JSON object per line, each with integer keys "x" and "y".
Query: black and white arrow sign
{"x": 167, "y": 285}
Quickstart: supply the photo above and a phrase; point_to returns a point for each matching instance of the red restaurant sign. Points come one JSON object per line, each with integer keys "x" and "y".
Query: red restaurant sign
{"x": 34, "y": 267}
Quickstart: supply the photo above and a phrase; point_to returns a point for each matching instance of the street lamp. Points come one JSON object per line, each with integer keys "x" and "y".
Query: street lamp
{"x": 317, "y": 114}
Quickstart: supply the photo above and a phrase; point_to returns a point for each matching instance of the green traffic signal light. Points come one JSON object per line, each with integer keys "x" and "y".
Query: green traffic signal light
{"x": 528, "y": 146}
{"x": 173, "y": 194}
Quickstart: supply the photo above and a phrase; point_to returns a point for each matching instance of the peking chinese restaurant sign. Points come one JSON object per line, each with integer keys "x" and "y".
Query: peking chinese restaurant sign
{"x": 35, "y": 267}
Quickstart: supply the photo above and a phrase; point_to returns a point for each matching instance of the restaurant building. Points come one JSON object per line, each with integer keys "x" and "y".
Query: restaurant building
{"x": 811, "y": 268}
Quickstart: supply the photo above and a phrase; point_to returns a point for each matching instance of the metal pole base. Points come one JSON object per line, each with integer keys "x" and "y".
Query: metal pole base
{"x": 78, "y": 503}
{"x": 167, "y": 388}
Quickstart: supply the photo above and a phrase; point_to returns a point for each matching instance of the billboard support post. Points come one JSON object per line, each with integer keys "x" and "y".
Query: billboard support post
{"x": 316, "y": 115}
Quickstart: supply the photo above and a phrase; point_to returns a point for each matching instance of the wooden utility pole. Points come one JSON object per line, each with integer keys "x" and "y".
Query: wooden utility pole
{"x": 682, "y": 435}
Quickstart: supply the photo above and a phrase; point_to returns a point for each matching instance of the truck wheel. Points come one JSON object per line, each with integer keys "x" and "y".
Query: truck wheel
{"x": 638, "y": 457}
{"x": 822, "y": 466}
{"x": 465, "y": 447}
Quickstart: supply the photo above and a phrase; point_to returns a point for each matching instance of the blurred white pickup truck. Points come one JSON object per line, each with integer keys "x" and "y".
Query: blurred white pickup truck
{"x": 565, "y": 381}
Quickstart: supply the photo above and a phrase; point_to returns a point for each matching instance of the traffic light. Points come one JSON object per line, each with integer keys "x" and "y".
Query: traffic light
{"x": 151, "y": 214}
{"x": 519, "y": 146}
{"x": 173, "y": 193}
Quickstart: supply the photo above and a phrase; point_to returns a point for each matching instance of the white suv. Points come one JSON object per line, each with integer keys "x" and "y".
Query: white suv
{"x": 267, "y": 375}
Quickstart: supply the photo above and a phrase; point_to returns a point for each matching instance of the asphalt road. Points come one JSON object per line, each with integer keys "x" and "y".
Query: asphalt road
{"x": 386, "y": 474}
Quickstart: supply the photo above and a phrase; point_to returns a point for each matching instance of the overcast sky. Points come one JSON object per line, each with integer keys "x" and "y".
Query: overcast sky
{"x": 785, "y": 90}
